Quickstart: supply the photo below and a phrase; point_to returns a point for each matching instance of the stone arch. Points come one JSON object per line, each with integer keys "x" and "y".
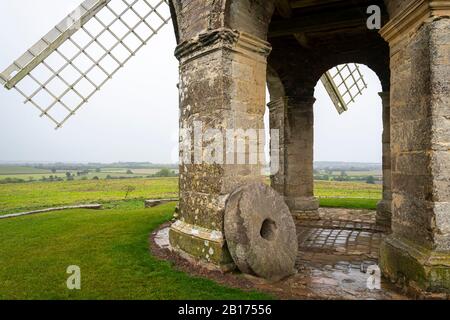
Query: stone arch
{"x": 293, "y": 73}
{"x": 238, "y": 13}
{"x": 174, "y": 9}
{"x": 381, "y": 70}
{"x": 384, "y": 207}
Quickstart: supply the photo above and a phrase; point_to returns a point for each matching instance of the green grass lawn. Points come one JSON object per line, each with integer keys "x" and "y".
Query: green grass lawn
{"x": 349, "y": 203}
{"x": 110, "y": 247}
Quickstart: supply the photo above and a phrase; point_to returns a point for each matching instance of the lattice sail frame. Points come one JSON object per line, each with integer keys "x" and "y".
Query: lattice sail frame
{"x": 64, "y": 69}
{"x": 344, "y": 84}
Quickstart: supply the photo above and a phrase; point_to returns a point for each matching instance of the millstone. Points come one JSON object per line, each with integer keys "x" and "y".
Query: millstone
{"x": 260, "y": 232}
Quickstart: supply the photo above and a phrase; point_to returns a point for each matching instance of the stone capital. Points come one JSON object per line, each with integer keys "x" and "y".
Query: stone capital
{"x": 385, "y": 95}
{"x": 291, "y": 103}
{"x": 277, "y": 105}
{"x": 222, "y": 38}
{"x": 300, "y": 104}
{"x": 411, "y": 19}
{"x": 385, "y": 98}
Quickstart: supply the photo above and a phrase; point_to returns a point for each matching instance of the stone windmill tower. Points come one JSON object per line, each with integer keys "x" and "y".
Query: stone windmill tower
{"x": 228, "y": 51}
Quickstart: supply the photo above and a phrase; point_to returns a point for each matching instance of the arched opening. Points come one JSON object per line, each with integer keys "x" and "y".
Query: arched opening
{"x": 348, "y": 146}
{"x": 350, "y": 149}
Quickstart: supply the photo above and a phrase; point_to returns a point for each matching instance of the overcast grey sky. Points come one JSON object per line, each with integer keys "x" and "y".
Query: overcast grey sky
{"x": 135, "y": 116}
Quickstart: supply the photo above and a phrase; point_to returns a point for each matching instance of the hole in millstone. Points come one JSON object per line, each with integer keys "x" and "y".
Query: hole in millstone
{"x": 268, "y": 229}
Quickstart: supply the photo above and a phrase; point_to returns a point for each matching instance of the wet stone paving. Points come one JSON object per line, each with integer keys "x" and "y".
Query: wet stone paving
{"x": 338, "y": 254}
{"x": 338, "y": 259}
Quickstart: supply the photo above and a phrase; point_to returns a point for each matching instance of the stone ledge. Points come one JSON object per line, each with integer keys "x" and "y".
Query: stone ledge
{"x": 82, "y": 206}
{"x": 157, "y": 202}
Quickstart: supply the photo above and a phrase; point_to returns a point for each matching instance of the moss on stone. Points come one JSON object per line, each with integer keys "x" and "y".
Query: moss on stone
{"x": 421, "y": 269}
{"x": 215, "y": 253}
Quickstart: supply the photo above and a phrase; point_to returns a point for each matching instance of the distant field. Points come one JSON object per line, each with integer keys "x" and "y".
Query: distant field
{"x": 15, "y": 170}
{"x": 100, "y": 175}
{"x": 140, "y": 171}
{"x": 16, "y": 197}
{"x": 357, "y": 190}
{"x": 360, "y": 173}
{"x": 33, "y": 174}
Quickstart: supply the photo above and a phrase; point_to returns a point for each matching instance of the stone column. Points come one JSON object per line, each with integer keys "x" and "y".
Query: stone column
{"x": 417, "y": 253}
{"x": 277, "y": 119}
{"x": 222, "y": 88}
{"x": 295, "y": 118}
{"x": 300, "y": 156}
{"x": 384, "y": 208}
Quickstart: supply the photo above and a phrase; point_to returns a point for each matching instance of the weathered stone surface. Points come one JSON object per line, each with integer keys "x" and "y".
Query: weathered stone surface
{"x": 417, "y": 252}
{"x": 223, "y": 58}
{"x": 260, "y": 232}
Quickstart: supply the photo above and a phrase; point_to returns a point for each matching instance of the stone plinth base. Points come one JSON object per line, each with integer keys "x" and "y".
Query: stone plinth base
{"x": 421, "y": 271}
{"x": 208, "y": 246}
{"x": 384, "y": 213}
{"x": 302, "y": 203}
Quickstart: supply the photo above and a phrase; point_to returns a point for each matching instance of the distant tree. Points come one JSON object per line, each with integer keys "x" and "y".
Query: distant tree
{"x": 128, "y": 190}
{"x": 108, "y": 177}
{"x": 370, "y": 180}
{"x": 69, "y": 176}
{"x": 95, "y": 178}
{"x": 165, "y": 173}
{"x": 53, "y": 170}
{"x": 129, "y": 171}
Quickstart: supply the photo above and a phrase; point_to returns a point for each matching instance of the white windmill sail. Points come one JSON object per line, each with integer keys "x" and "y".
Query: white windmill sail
{"x": 343, "y": 84}
{"x": 65, "y": 68}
